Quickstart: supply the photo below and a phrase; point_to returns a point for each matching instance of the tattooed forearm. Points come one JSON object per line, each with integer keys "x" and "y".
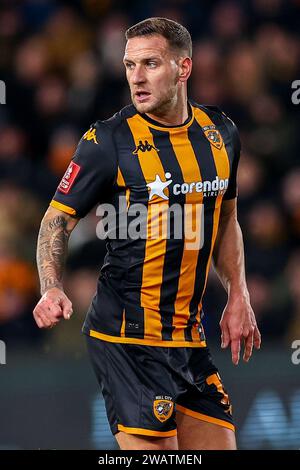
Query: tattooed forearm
{"x": 52, "y": 250}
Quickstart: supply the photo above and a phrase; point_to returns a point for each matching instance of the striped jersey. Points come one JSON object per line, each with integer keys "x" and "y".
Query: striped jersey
{"x": 164, "y": 188}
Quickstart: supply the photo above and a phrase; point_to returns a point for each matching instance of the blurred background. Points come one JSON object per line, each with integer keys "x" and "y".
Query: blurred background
{"x": 62, "y": 65}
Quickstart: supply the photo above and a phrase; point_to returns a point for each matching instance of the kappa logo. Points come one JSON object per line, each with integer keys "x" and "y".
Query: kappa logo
{"x": 213, "y": 135}
{"x": 144, "y": 147}
{"x": 163, "y": 408}
{"x": 215, "y": 380}
{"x": 91, "y": 135}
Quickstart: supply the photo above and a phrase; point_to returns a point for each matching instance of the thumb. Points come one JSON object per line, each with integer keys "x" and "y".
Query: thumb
{"x": 225, "y": 337}
{"x": 67, "y": 309}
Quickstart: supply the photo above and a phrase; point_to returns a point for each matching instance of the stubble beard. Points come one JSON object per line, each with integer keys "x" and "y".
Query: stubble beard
{"x": 159, "y": 108}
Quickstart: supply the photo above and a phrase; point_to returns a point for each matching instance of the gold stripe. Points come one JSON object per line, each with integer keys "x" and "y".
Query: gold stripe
{"x": 127, "y": 195}
{"x": 202, "y": 417}
{"x": 190, "y": 170}
{"x": 147, "y": 432}
{"x": 62, "y": 207}
{"x": 120, "y": 178}
{"x": 215, "y": 379}
{"x": 221, "y": 160}
{"x": 147, "y": 342}
{"x": 123, "y": 324}
{"x": 122, "y": 184}
{"x": 155, "y": 247}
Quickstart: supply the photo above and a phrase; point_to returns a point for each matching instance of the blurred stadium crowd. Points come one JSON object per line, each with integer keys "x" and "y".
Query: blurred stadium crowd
{"x": 62, "y": 65}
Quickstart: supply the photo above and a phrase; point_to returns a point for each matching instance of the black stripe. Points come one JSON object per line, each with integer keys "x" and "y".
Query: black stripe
{"x": 174, "y": 247}
{"x": 134, "y": 252}
{"x": 205, "y": 159}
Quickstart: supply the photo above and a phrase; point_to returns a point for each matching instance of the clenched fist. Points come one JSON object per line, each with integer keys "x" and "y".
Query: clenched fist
{"x": 53, "y": 306}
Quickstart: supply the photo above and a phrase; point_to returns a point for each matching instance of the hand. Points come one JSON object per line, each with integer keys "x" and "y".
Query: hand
{"x": 237, "y": 322}
{"x": 53, "y": 306}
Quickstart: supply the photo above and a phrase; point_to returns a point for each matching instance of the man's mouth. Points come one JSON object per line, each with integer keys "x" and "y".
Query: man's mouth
{"x": 142, "y": 95}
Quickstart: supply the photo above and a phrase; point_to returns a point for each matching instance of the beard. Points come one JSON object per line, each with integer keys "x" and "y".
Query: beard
{"x": 160, "y": 106}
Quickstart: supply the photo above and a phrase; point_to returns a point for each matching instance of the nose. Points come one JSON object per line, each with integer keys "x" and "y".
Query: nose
{"x": 138, "y": 75}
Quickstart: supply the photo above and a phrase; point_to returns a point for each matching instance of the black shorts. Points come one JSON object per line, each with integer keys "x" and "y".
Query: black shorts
{"x": 143, "y": 386}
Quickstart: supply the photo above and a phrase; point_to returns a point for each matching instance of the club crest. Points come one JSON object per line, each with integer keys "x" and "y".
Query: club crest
{"x": 163, "y": 409}
{"x": 213, "y": 135}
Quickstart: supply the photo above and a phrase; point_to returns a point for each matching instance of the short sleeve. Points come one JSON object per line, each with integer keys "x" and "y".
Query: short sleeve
{"x": 232, "y": 189}
{"x": 91, "y": 174}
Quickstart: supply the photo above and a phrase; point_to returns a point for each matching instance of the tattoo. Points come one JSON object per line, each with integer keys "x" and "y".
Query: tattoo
{"x": 51, "y": 251}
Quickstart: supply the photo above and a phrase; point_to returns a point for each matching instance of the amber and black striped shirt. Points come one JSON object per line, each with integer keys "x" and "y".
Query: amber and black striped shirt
{"x": 150, "y": 289}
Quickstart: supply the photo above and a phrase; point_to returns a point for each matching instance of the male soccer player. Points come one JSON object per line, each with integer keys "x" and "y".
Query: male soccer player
{"x": 144, "y": 331}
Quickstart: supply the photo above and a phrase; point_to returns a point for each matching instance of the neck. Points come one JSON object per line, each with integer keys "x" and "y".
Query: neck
{"x": 174, "y": 114}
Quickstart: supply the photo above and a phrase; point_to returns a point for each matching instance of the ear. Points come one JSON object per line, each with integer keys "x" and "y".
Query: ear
{"x": 185, "y": 68}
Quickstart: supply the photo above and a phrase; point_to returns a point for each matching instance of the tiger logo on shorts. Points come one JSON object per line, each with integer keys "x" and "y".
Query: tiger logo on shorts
{"x": 163, "y": 408}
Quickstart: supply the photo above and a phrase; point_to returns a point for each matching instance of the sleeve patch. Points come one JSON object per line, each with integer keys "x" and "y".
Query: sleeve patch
{"x": 69, "y": 177}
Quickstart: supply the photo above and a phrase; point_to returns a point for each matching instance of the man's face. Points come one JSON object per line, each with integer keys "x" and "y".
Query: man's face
{"x": 152, "y": 72}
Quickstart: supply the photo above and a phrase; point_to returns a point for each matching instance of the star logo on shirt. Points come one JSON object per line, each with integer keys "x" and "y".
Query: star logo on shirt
{"x": 158, "y": 186}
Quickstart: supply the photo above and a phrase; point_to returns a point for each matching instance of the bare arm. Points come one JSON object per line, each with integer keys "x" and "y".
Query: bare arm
{"x": 228, "y": 255}
{"x": 238, "y": 319}
{"x": 54, "y": 234}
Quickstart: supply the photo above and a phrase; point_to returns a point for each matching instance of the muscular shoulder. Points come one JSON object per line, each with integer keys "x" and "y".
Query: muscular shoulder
{"x": 215, "y": 113}
{"x": 96, "y": 147}
{"x": 117, "y": 119}
{"x": 102, "y": 132}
